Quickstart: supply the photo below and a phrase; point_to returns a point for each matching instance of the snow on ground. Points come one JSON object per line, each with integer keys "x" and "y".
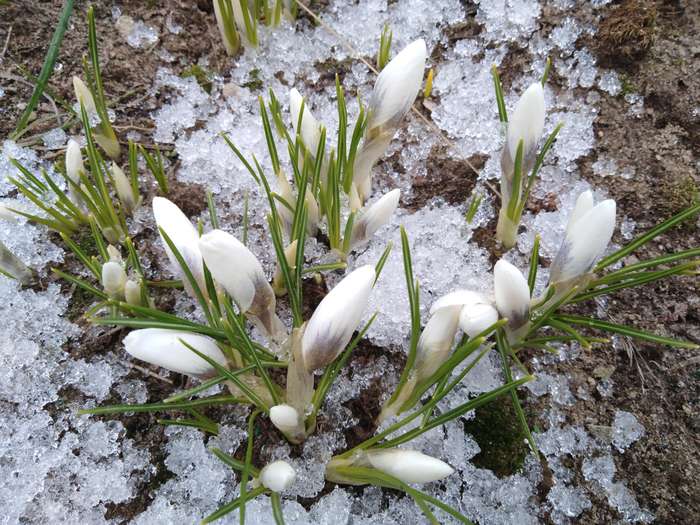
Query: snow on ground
{"x": 59, "y": 467}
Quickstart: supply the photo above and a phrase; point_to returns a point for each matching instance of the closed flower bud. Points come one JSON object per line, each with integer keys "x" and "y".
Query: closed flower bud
{"x": 124, "y": 190}
{"x": 285, "y": 191}
{"x": 410, "y": 466}
{"x": 74, "y": 161}
{"x": 132, "y": 292}
{"x": 286, "y": 419}
{"x": 13, "y": 266}
{"x": 113, "y": 278}
{"x": 336, "y": 318}
{"x": 374, "y": 217}
{"x": 165, "y": 348}
{"x": 436, "y": 340}
{"x": 526, "y": 123}
{"x": 512, "y": 294}
{"x": 312, "y": 214}
{"x": 114, "y": 253}
{"x": 84, "y": 96}
{"x": 290, "y": 255}
{"x": 310, "y": 128}
{"x": 393, "y": 95}
{"x": 236, "y": 268}
{"x": 185, "y": 238}
{"x": 277, "y": 476}
{"x": 587, "y": 236}
{"x": 397, "y": 86}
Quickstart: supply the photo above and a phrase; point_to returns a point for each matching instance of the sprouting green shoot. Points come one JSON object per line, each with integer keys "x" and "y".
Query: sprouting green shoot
{"x": 384, "y": 47}
{"x": 474, "y": 204}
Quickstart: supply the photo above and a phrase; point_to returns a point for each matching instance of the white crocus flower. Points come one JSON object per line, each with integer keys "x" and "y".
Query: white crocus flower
{"x": 410, "y": 466}
{"x": 284, "y": 189}
{"x": 477, "y": 313}
{"x": 290, "y": 255}
{"x": 124, "y": 190}
{"x": 185, "y": 238}
{"x": 165, "y": 348}
{"x": 277, "y": 476}
{"x": 512, "y": 294}
{"x": 436, "y": 340}
{"x": 374, "y": 217}
{"x": 336, "y": 318}
{"x": 240, "y": 273}
{"x": 526, "y": 123}
{"x": 393, "y": 95}
{"x": 310, "y": 127}
{"x": 588, "y": 234}
{"x": 113, "y": 278}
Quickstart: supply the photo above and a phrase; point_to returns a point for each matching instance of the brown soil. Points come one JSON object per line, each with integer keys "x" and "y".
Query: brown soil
{"x": 653, "y": 46}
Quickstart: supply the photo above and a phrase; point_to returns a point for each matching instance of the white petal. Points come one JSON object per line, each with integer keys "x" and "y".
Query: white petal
{"x": 336, "y": 318}
{"x": 132, "y": 292}
{"x": 584, "y": 204}
{"x": 584, "y": 243}
{"x": 310, "y": 128}
{"x": 459, "y": 297}
{"x": 476, "y": 318}
{"x": 410, "y": 466}
{"x": 123, "y": 187}
{"x": 233, "y": 266}
{"x": 436, "y": 340}
{"x": 183, "y": 235}
{"x": 277, "y": 476}
{"x": 397, "y": 85}
{"x": 163, "y": 348}
{"x": 512, "y": 293}
{"x": 526, "y": 123}
{"x": 113, "y": 278}
{"x": 74, "y": 161}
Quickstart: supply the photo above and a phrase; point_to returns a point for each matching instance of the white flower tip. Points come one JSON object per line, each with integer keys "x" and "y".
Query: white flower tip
{"x": 74, "y": 161}
{"x": 512, "y": 292}
{"x": 410, "y": 466}
{"x": 310, "y": 128}
{"x": 476, "y": 318}
{"x": 277, "y": 476}
{"x": 397, "y": 85}
{"x": 527, "y": 120}
{"x": 458, "y": 297}
{"x": 284, "y": 416}
{"x": 113, "y": 278}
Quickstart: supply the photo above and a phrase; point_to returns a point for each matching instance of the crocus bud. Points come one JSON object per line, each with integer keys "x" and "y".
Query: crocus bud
{"x": 114, "y": 253}
{"x": 286, "y": 419}
{"x": 240, "y": 273}
{"x": 526, "y": 123}
{"x": 512, "y": 294}
{"x": 124, "y": 190}
{"x": 132, "y": 292}
{"x": 290, "y": 255}
{"x": 394, "y": 92}
{"x": 185, "y": 238}
{"x": 310, "y": 128}
{"x": 312, "y": 214}
{"x": 74, "y": 161}
{"x": 410, "y": 466}
{"x": 277, "y": 476}
{"x": 285, "y": 191}
{"x": 374, "y": 217}
{"x": 436, "y": 340}
{"x": 165, "y": 348}
{"x": 113, "y": 278}
{"x": 588, "y": 233}
{"x": 84, "y": 96}
{"x": 354, "y": 198}
{"x": 336, "y": 318}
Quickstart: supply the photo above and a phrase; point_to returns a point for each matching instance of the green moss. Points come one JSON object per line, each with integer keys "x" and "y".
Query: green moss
{"x": 201, "y": 75}
{"x": 679, "y": 194}
{"x": 254, "y": 83}
{"x": 499, "y": 436}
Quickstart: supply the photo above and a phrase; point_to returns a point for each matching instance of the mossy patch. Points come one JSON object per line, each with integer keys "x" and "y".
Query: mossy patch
{"x": 499, "y": 436}
{"x": 201, "y": 75}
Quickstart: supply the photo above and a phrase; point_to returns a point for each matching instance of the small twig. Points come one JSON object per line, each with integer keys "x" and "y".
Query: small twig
{"x": 7, "y": 43}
